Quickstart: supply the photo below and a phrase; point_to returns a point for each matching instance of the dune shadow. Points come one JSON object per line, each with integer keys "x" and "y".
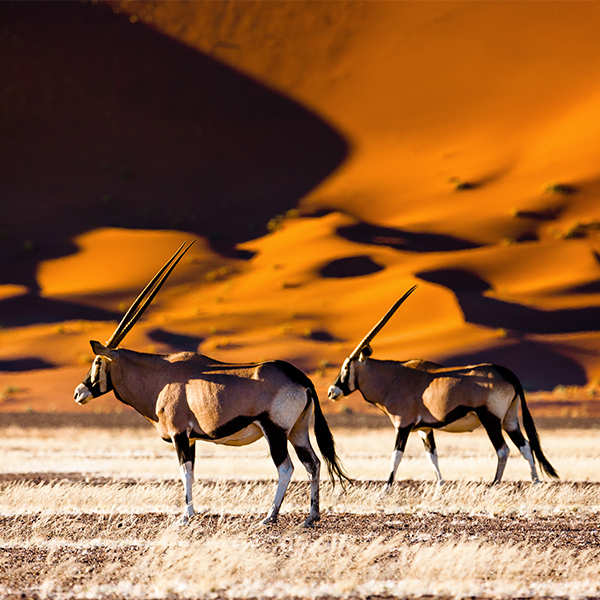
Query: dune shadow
{"x": 539, "y": 365}
{"x": 365, "y": 233}
{"x": 177, "y": 342}
{"x": 108, "y": 123}
{"x": 457, "y": 280}
{"x": 31, "y": 363}
{"x": 350, "y": 266}
{"x": 322, "y": 335}
{"x": 20, "y": 311}
{"x": 499, "y": 314}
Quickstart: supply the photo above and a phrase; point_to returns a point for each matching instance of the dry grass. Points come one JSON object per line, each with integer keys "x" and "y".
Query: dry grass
{"x": 366, "y": 453}
{"x": 63, "y": 535}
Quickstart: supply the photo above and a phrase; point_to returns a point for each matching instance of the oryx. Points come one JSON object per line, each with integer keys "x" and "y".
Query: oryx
{"x": 190, "y": 397}
{"x": 421, "y": 396}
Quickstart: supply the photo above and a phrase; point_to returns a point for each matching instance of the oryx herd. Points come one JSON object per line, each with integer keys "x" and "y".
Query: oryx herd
{"x": 191, "y": 397}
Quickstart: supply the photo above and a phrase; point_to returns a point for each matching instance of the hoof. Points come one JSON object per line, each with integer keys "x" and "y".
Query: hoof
{"x": 185, "y": 520}
{"x": 308, "y": 524}
{"x": 386, "y": 490}
{"x": 311, "y": 520}
{"x": 269, "y": 521}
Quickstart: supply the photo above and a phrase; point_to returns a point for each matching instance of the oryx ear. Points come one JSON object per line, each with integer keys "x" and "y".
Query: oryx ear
{"x": 101, "y": 350}
{"x": 365, "y": 353}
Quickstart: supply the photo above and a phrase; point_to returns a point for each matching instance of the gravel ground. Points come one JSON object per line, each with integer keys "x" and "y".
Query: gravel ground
{"x": 124, "y": 537}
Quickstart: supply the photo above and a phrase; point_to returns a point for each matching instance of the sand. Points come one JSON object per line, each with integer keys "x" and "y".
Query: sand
{"x": 325, "y": 156}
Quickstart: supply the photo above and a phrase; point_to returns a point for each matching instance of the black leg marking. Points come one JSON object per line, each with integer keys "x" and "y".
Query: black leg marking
{"x": 277, "y": 440}
{"x": 517, "y": 438}
{"x": 308, "y": 458}
{"x": 429, "y": 442}
{"x": 402, "y": 434}
{"x": 493, "y": 427}
{"x": 185, "y": 452}
{"x": 186, "y": 455}
{"x": 312, "y": 465}
{"x": 525, "y": 449}
{"x": 402, "y": 437}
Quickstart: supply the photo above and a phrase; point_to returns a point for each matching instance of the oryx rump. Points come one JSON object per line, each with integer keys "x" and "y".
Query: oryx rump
{"x": 422, "y": 396}
{"x": 191, "y": 397}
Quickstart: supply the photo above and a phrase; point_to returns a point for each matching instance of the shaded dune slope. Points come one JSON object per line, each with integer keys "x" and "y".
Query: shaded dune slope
{"x": 107, "y": 124}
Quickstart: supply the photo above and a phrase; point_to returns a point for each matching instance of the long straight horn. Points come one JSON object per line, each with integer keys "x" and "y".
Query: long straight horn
{"x": 146, "y": 296}
{"x": 388, "y": 315}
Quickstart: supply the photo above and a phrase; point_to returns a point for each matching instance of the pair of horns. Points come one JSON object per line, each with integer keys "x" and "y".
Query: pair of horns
{"x": 141, "y": 303}
{"x": 388, "y": 315}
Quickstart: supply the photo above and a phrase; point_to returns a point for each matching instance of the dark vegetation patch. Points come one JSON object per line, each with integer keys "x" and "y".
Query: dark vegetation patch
{"x": 550, "y": 213}
{"x": 562, "y": 189}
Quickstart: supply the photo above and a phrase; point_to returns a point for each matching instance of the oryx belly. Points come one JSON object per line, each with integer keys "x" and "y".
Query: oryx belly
{"x": 467, "y": 423}
{"x": 242, "y": 438}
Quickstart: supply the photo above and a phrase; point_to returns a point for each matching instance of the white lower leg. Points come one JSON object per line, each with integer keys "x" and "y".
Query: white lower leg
{"x": 396, "y": 458}
{"x": 528, "y": 456}
{"x": 502, "y": 459}
{"x": 187, "y": 477}
{"x": 433, "y": 459}
{"x": 285, "y": 470}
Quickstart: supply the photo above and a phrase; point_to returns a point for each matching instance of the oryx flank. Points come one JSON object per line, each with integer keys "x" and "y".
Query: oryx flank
{"x": 190, "y": 397}
{"x": 421, "y": 396}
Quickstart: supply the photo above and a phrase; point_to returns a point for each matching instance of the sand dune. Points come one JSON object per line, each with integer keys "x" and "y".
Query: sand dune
{"x": 326, "y": 156}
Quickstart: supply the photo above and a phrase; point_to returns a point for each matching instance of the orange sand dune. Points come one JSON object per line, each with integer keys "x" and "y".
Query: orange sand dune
{"x": 449, "y": 144}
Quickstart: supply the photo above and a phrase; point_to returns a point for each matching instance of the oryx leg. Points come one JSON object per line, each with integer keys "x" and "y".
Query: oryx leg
{"x": 186, "y": 453}
{"x": 399, "y": 447}
{"x": 511, "y": 426}
{"x": 277, "y": 439}
{"x": 493, "y": 427}
{"x": 429, "y": 443}
{"x": 300, "y": 439}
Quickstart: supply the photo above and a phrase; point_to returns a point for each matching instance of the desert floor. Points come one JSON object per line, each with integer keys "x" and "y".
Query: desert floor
{"x": 89, "y": 510}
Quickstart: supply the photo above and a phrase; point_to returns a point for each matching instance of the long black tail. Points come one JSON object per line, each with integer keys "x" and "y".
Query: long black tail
{"x": 528, "y": 424}
{"x": 326, "y": 444}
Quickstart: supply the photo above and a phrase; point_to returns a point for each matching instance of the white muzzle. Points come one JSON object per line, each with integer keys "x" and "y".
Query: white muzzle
{"x": 82, "y": 394}
{"x": 334, "y": 392}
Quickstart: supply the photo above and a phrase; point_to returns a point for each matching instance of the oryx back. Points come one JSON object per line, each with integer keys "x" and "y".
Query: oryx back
{"x": 453, "y": 395}
{"x": 231, "y": 402}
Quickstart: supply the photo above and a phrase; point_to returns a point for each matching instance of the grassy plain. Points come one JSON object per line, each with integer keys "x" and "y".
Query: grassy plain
{"x": 91, "y": 513}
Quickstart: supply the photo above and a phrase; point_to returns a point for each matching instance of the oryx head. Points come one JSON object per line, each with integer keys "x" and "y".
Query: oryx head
{"x": 346, "y": 380}
{"x": 97, "y": 381}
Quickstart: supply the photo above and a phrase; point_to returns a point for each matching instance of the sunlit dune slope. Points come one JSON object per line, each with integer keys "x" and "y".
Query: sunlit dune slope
{"x": 473, "y": 170}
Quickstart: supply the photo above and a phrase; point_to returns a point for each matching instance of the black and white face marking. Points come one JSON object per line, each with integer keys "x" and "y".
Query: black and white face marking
{"x": 341, "y": 386}
{"x": 96, "y": 383}
{"x": 346, "y": 380}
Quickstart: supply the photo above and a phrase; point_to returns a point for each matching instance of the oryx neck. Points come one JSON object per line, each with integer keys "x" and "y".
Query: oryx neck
{"x": 137, "y": 379}
{"x": 374, "y": 379}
